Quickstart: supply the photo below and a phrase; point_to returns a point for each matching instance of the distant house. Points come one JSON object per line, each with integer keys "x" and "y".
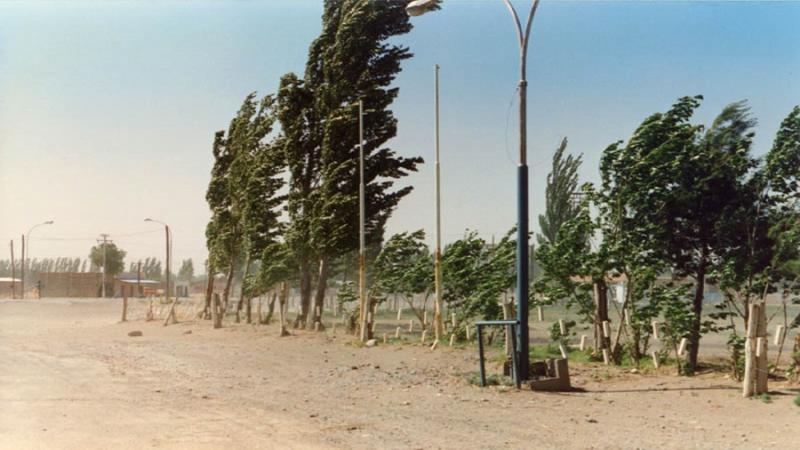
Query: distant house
{"x": 131, "y": 285}
{"x": 70, "y": 284}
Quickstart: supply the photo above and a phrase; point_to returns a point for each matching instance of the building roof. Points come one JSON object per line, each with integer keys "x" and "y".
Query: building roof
{"x": 9, "y": 280}
{"x": 125, "y": 281}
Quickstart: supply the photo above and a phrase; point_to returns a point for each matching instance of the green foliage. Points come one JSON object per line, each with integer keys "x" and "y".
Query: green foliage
{"x": 151, "y": 269}
{"x": 736, "y": 348}
{"x": 557, "y": 337}
{"x": 570, "y": 266}
{"x": 225, "y": 232}
{"x": 404, "y": 265}
{"x": 186, "y": 272}
{"x": 493, "y": 379}
{"x": 476, "y": 274}
{"x": 347, "y": 298}
{"x": 679, "y": 317}
{"x": 351, "y": 60}
{"x": 114, "y": 258}
{"x": 797, "y": 400}
{"x": 783, "y": 161}
{"x": 35, "y": 266}
{"x": 562, "y": 184}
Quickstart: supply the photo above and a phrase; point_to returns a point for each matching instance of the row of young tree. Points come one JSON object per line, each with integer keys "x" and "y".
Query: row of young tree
{"x": 35, "y": 266}
{"x": 681, "y": 205}
{"x": 678, "y": 198}
{"x": 284, "y": 187}
{"x": 115, "y": 262}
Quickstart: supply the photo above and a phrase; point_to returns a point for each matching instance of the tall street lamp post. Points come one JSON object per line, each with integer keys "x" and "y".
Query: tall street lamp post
{"x": 420, "y": 7}
{"x": 168, "y": 235}
{"x": 27, "y": 239}
{"x": 437, "y": 256}
{"x": 362, "y": 261}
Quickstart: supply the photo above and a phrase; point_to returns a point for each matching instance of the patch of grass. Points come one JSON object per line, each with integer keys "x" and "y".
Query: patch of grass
{"x": 541, "y": 352}
{"x": 766, "y": 398}
{"x": 797, "y": 401}
{"x": 494, "y": 379}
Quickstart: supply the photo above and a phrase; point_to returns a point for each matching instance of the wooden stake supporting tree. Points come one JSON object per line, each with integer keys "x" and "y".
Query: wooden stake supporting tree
{"x": 755, "y": 350}
{"x": 124, "y": 305}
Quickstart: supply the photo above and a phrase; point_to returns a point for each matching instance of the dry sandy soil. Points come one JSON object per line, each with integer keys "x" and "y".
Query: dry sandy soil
{"x": 72, "y": 378}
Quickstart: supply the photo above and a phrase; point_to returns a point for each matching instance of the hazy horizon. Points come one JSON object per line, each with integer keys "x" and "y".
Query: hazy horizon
{"x": 107, "y": 110}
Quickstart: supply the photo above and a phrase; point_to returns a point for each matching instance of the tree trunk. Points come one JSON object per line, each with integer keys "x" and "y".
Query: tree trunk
{"x": 282, "y": 308}
{"x": 209, "y": 291}
{"x": 601, "y": 315}
{"x": 216, "y": 314}
{"x": 227, "y": 291}
{"x": 305, "y": 295}
{"x": 124, "y": 305}
{"x": 271, "y": 308}
{"x": 697, "y": 309}
{"x": 319, "y": 297}
{"x": 241, "y": 290}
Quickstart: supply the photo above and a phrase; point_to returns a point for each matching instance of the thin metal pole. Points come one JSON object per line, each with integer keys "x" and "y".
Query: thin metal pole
{"x": 166, "y": 231}
{"x": 437, "y": 261}
{"x": 105, "y": 236}
{"x": 22, "y": 270}
{"x": 13, "y": 273}
{"x": 362, "y": 277}
{"x": 522, "y": 196}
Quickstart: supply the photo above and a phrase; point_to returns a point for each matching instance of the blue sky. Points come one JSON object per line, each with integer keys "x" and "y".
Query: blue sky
{"x": 107, "y": 109}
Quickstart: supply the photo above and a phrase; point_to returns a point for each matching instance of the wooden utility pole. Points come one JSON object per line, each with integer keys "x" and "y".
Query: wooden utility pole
{"x": 13, "y": 273}
{"x": 104, "y": 242}
{"x": 283, "y": 308}
{"x": 124, "y": 304}
{"x": 139, "y": 279}
{"x": 22, "y": 271}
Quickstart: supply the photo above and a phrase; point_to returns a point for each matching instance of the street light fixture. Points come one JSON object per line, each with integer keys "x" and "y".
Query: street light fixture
{"x": 27, "y": 239}
{"x": 419, "y": 7}
{"x": 169, "y": 251}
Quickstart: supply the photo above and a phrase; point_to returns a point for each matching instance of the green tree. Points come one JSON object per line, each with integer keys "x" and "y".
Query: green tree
{"x": 226, "y": 233}
{"x": 114, "y": 258}
{"x": 475, "y": 275}
{"x": 683, "y": 184}
{"x": 351, "y": 60}
{"x": 186, "y": 272}
{"x": 562, "y": 185}
{"x": 404, "y": 268}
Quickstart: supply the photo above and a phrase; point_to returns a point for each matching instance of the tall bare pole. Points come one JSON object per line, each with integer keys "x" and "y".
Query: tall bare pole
{"x": 419, "y": 7}
{"x": 362, "y": 263}
{"x": 13, "y": 273}
{"x": 437, "y": 256}
{"x": 169, "y": 256}
{"x": 22, "y": 270}
{"x": 104, "y": 241}
{"x": 168, "y": 244}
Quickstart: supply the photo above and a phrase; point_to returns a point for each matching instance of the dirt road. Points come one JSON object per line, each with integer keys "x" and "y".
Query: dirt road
{"x": 71, "y": 377}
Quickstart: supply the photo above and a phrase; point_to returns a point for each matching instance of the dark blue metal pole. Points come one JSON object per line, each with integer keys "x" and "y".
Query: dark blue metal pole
{"x": 523, "y": 360}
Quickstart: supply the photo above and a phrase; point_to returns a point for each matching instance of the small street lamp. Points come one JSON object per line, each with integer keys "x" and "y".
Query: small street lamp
{"x": 27, "y": 238}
